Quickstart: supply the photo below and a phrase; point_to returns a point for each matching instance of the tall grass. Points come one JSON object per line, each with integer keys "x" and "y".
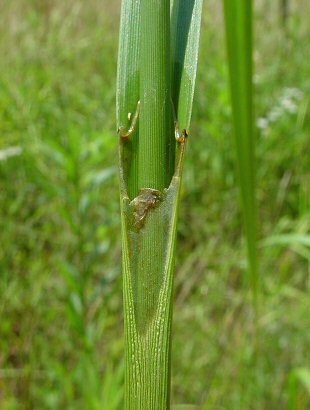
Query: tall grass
{"x": 56, "y": 85}
{"x": 155, "y": 92}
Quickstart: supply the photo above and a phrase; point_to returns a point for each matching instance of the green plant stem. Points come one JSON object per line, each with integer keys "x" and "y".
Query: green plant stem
{"x": 148, "y": 287}
{"x": 147, "y": 381}
{"x": 150, "y": 181}
{"x": 155, "y": 116}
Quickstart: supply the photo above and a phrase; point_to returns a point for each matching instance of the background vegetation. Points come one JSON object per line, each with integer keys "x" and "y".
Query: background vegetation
{"x": 61, "y": 325}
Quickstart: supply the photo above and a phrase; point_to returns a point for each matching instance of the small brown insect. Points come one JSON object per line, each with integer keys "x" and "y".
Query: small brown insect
{"x": 147, "y": 199}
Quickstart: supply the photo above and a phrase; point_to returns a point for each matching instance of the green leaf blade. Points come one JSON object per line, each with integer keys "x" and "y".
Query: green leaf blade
{"x": 185, "y": 32}
{"x": 128, "y": 73}
{"x": 128, "y": 86}
{"x": 238, "y": 22}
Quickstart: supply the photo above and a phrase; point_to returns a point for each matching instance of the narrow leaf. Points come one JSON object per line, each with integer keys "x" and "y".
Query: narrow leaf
{"x": 128, "y": 86}
{"x": 238, "y": 21}
{"x": 299, "y": 377}
{"x": 127, "y": 93}
{"x": 185, "y": 33}
{"x": 287, "y": 239}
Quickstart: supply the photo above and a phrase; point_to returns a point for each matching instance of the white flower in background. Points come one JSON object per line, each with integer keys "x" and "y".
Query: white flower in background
{"x": 274, "y": 114}
{"x": 262, "y": 123}
{"x": 287, "y": 103}
{"x": 293, "y": 93}
{"x": 10, "y": 152}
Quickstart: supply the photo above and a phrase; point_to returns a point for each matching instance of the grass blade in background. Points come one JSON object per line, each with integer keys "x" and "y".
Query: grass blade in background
{"x": 299, "y": 378}
{"x": 284, "y": 8}
{"x": 238, "y": 21}
{"x": 150, "y": 184}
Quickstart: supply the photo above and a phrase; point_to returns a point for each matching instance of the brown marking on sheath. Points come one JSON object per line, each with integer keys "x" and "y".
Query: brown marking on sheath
{"x": 147, "y": 199}
{"x": 180, "y": 137}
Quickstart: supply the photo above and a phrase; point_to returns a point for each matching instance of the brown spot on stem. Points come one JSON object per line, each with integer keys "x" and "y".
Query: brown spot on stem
{"x": 147, "y": 199}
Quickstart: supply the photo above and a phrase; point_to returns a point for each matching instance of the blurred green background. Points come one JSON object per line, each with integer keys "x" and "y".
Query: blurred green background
{"x": 61, "y": 326}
